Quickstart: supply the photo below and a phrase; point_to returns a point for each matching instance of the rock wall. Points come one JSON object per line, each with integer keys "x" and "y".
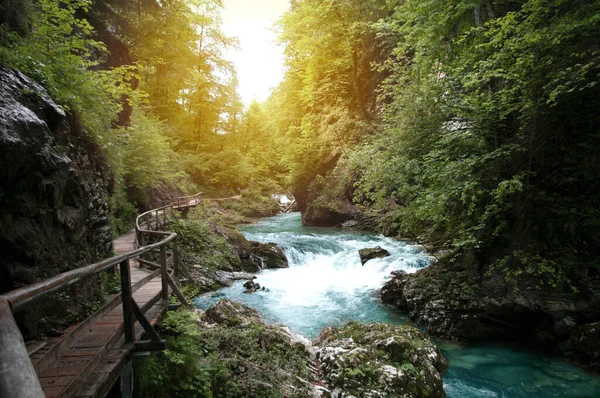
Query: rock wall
{"x": 54, "y": 186}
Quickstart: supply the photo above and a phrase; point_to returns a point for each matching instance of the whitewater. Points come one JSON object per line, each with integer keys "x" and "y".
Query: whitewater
{"x": 326, "y": 284}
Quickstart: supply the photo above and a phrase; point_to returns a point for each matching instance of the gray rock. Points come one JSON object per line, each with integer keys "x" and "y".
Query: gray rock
{"x": 251, "y": 252}
{"x": 461, "y": 304}
{"x": 54, "y": 185}
{"x": 208, "y": 279}
{"x": 251, "y": 286}
{"x": 266, "y": 360}
{"x": 272, "y": 255}
{"x": 371, "y": 253}
{"x": 231, "y": 314}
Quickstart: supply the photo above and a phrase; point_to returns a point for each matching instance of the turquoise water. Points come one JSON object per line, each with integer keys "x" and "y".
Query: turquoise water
{"x": 327, "y": 285}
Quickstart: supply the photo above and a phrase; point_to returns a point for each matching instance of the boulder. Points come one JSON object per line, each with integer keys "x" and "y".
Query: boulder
{"x": 466, "y": 305}
{"x": 273, "y": 256}
{"x": 583, "y": 345}
{"x": 263, "y": 360}
{"x": 231, "y": 314}
{"x": 371, "y": 253}
{"x": 251, "y": 286}
{"x": 208, "y": 279}
{"x": 380, "y": 360}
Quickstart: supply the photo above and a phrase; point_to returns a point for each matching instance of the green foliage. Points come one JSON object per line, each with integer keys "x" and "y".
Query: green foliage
{"x": 488, "y": 164}
{"x": 111, "y": 282}
{"x": 14, "y": 15}
{"x": 124, "y": 212}
{"x": 200, "y": 243}
{"x": 486, "y": 133}
{"x": 219, "y": 361}
{"x": 59, "y": 53}
{"x": 146, "y": 154}
{"x": 255, "y": 201}
{"x": 378, "y": 346}
{"x": 328, "y": 98}
{"x": 165, "y": 60}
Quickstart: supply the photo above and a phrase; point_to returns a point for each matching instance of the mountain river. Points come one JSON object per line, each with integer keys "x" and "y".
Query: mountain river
{"x": 326, "y": 285}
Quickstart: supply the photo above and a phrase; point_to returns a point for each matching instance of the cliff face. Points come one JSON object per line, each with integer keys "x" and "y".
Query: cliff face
{"x": 54, "y": 200}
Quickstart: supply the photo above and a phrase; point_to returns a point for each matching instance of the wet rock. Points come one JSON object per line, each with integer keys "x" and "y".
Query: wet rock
{"x": 54, "y": 185}
{"x": 251, "y": 286}
{"x": 371, "y": 253}
{"x": 272, "y": 255}
{"x": 584, "y": 344}
{"x": 208, "y": 279}
{"x": 255, "y": 256}
{"x": 380, "y": 360}
{"x": 463, "y": 304}
{"x": 350, "y": 224}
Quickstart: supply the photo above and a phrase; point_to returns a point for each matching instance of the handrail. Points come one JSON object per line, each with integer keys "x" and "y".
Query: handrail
{"x": 17, "y": 374}
{"x": 185, "y": 200}
{"x": 29, "y": 294}
{"x": 191, "y": 196}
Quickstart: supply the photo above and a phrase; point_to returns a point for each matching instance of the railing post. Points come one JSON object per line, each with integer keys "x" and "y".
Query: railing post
{"x": 165, "y": 275}
{"x": 17, "y": 375}
{"x": 128, "y": 319}
{"x": 164, "y": 218}
{"x": 175, "y": 261}
{"x": 140, "y": 239}
{"x": 157, "y": 221}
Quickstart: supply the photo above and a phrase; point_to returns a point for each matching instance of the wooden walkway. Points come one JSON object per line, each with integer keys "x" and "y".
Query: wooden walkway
{"x": 87, "y": 359}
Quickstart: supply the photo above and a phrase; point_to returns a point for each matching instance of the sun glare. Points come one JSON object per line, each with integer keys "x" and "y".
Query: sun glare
{"x": 259, "y": 61}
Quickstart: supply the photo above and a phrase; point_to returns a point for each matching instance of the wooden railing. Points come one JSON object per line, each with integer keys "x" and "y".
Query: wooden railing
{"x": 18, "y": 376}
{"x": 149, "y": 227}
{"x": 188, "y": 201}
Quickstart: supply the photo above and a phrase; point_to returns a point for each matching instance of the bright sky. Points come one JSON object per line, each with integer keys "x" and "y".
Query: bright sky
{"x": 259, "y": 62}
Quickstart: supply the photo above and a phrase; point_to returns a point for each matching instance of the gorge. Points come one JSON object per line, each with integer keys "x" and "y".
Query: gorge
{"x": 327, "y": 285}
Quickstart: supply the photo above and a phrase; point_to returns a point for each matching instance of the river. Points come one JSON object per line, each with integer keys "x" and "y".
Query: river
{"x": 327, "y": 285}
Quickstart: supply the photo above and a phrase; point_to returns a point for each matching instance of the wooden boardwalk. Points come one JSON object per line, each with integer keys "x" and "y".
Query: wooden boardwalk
{"x": 88, "y": 358}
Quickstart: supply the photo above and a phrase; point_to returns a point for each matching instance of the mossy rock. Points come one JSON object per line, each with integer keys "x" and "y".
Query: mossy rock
{"x": 228, "y": 313}
{"x": 381, "y": 360}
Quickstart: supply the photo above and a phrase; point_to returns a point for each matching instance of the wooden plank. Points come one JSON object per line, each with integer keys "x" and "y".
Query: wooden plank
{"x": 107, "y": 373}
{"x": 101, "y": 342}
{"x": 86, "y": 368}
{"x": 35, "y": 347}
{"x": 48, "y": 382}
{"x": 84, "y": 347}
{"x": 165, "y": 275}
{"x": 44, "y": 362}
{"x": 35, "y": 292}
